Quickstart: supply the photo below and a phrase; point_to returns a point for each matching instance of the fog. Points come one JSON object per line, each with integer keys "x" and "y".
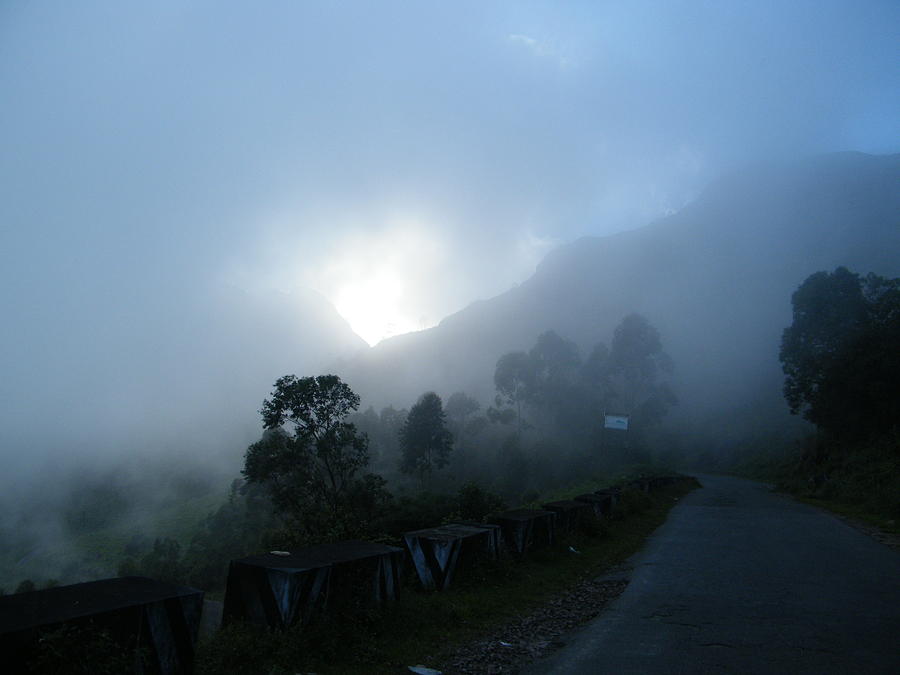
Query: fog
{"x": 199, "y": 197}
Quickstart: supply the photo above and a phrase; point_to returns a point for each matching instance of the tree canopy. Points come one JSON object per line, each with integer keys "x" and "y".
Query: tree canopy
{"x": 424, "y": 438}
{"x": 840, "y": 354}
{"x": 634, "y": 370}
{"x": 555, "y": 386}
{"x": 311, "y": 467}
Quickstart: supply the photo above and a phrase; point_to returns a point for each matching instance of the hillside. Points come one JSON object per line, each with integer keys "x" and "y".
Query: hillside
{"x": 715, "y": 278}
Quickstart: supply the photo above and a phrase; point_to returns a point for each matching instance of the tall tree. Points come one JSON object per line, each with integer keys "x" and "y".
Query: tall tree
{"x": 840, "y": 354}
{"x": 514, "y": 380}
{"x": 424, "y": 439}
{"x": 554, "y": 389}
{"x": 460, "y": 406}
{"x": 309, "y": 456}
{"x": 634, "y": 370}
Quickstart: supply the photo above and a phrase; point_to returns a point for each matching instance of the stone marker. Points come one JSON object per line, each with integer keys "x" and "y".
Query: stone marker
{"x": 280, "y": 590}
{"x": 524, "y": 529}
{"x": 155, "y": 623}
{"x": 569, "y": 513}
{"x": 437, "y": 552}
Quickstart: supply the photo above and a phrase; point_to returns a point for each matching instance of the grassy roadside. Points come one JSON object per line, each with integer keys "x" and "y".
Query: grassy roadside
{"x": 859, "y": 481}
{"x": 880, "y": 521}
{"x": 423, "y": 627}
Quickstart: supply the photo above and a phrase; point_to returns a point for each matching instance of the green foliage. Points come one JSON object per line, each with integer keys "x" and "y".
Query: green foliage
{"x": 840, "y": 356}
{"x": 418, "y": 511}
{"x": 234, "y": 530}
{"x": 459, "y": 407}
{"x": 163, "y": 562}
{"x": 25, "y": 586}
{"x": 424, "y": 627}
{"x": 83, "y": 650}
{"x": 311, "y": 470}
{"x": 383, "y": 432}
{"x": 476, "y": 503}
{"x": 424, "y": 439}
{"x": 634, "y": 367}
{"x": 514, "y": 380}
{"x": 564, "y": 397}
{"x": 865, "y": 475}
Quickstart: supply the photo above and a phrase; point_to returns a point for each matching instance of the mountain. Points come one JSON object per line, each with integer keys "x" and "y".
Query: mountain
{"x": 715, "y": 278}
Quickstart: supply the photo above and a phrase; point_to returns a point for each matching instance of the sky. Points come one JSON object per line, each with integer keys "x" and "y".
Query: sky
{"x": 402, "y": 159}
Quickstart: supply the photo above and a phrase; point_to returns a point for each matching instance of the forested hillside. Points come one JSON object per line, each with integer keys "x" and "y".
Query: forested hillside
{"x": 714, "y": 278}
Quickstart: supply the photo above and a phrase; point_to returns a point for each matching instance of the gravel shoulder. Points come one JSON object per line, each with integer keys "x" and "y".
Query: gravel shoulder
{"x": 530, "y": 637}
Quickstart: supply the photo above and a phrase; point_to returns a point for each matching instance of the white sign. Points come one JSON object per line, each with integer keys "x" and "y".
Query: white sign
{"x": 616, "y": 422}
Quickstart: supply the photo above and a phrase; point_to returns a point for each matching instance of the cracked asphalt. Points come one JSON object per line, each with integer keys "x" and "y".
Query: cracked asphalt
{"x": 741, "y": 580}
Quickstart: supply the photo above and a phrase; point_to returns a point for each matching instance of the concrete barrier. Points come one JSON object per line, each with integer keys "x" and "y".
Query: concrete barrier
{"x": 281, "y": 590}
{"x": 526, "y": 529}
{"x": 438, "y": 552}
{"x": 570, "y": 514}
{"x": 154, "y": 623}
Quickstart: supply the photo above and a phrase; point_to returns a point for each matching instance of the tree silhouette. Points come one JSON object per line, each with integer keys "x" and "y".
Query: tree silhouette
{"x": 424, "y": 439}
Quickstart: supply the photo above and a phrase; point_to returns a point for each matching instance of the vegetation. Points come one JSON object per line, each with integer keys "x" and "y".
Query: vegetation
{"x": 425, "y": 627}
{"x": 86, "y": 649}
{"x": 842, "y": 373}
{"x": 311, "y": 477}
{"x": 311, "y": 472}
{"x": 424, "y": 438}
{"x": 840, "y": 355}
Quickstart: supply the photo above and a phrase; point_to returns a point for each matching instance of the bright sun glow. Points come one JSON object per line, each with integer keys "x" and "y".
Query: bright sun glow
{"x": 373, "y": 307}
{"x": 378, "y": 281}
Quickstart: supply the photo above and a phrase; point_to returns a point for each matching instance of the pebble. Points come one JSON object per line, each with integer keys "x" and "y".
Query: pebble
{"x": 530, "y": 637}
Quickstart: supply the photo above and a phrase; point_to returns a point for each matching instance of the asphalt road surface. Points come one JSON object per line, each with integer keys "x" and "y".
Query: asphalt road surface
{"x": 740, "y": 580}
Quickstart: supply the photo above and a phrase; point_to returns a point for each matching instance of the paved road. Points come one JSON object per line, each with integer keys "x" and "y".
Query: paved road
{"x": 740, "y": 580}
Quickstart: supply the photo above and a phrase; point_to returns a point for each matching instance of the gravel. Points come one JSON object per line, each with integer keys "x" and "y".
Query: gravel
{"x": 527, "y": 638}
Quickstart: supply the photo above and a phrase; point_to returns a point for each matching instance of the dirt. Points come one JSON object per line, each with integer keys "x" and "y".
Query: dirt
{"x": 527, "y": 638}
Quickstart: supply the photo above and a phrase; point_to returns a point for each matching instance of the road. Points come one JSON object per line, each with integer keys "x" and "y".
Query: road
{"x": 741, "y": 580}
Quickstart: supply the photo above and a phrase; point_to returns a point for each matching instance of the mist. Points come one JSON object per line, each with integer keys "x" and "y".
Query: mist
{"x": 198, "y": 198}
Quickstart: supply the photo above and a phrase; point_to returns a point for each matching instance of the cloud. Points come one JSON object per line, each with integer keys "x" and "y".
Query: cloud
{"x": 529, "y": 42}
{"x": 541, "y": 49}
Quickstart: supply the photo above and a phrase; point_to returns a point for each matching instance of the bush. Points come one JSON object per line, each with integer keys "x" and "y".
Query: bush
{"x": 83, "y": 650}
{"x": 475, "y": 503}
{"x": 25, "y": 586}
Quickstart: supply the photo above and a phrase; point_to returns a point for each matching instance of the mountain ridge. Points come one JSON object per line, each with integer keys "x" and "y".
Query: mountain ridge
{"x": 715, "y": 278}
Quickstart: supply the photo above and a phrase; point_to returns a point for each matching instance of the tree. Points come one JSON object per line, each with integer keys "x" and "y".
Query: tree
{"x": 310, "y": 468}
{"x": 555, "y": 364}
{"x": 425, "y": 440}
{"x": 459, "y": 407}
{"x": 633, "y": 371}
{"x": 514, "y": 380}
{"x": 840, "y": 356}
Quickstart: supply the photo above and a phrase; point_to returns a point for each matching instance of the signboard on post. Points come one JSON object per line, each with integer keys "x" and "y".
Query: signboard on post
{"x": 619, "y": 422}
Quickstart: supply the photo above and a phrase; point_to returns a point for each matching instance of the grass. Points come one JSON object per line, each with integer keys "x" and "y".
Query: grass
{"x": 855, "y": 512}
{"x": 424, "y": 627}
{"x": 859, "y": 480}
